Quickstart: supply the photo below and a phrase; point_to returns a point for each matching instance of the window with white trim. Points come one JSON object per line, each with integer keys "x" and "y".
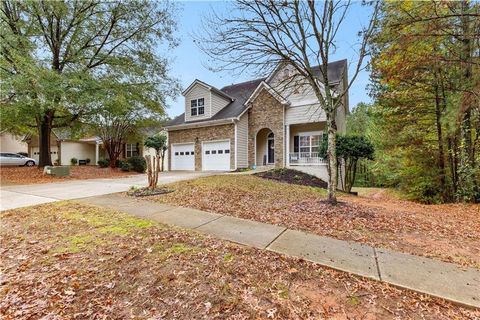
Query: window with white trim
{"x": 307, "y": 143}
{"x": 131, "y": 150}
{"x": 197, "y": 107}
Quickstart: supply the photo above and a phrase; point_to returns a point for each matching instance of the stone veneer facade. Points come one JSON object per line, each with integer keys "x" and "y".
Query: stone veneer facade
{"x": 266, "y": 112}
{"x": 199, "y": 135}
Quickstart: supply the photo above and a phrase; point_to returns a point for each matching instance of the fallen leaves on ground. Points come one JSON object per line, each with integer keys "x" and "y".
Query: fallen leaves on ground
{"x": 31, "y": 175}
{"x": 72, "y": 261}
{"x": 447, "y": 232}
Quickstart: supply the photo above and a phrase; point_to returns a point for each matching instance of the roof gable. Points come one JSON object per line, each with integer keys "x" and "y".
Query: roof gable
{"x": 208, "y": 87}
{"x": 264, "y": 86}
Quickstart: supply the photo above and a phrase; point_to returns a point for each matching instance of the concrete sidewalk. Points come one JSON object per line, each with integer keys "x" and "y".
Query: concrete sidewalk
{"x": 440, "y": 279}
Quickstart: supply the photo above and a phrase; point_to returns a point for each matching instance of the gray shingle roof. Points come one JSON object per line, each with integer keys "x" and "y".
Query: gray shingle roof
{"x": 242, "y": 91}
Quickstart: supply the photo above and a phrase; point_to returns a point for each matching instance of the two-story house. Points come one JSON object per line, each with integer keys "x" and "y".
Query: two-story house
{"x": 251, "y": 124}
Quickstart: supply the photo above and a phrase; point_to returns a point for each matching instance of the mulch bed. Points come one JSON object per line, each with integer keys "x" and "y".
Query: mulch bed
{"x": 145, "y": 192}
{"x": 293, "y": 177}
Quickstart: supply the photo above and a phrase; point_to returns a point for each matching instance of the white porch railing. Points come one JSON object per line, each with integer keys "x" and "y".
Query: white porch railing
{"x": 306, "y": 158}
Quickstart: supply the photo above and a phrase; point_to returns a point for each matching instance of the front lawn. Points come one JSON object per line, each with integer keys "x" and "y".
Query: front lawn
{"x": 68, "y": 260}
{"x": 447, "y": 232}
{"x": 31, "y": 175}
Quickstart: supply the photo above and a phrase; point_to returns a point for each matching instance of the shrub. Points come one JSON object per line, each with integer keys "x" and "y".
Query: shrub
{"x": 88, "y": 160}
{"x": 137, "y": 164}
{"x": 74, "y": 161}
{"x": 103, "y": 163}
{"x": 125, "y": 166}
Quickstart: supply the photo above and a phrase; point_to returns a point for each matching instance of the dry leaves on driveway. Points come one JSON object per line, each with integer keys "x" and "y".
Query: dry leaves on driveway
{"x": 447, "y": 232}
{"x": 68, "y": 260}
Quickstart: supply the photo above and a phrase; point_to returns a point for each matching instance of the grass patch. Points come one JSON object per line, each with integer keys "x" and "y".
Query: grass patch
{"x": 79, "y": 243}
{"x": 228, "y": 257}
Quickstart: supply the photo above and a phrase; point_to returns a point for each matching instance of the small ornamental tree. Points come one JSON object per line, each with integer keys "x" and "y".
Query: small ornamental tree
{"x": 350, "y": 149}
{"x": 159, "y": 143}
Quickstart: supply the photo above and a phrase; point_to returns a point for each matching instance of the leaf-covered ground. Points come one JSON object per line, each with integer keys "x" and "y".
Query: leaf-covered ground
{"x": 447, "y": 232}
{"x": 30, "y": 175}
{"x": 72, "y": 261}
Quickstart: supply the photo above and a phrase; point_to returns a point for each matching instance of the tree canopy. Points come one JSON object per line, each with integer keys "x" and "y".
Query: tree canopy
{"x": 63, "y": 61}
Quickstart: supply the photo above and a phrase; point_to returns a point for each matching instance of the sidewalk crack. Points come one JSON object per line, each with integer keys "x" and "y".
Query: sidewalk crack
{"x": 274, "y": 239}
{"x": 376, "y": 262}
{"x": 207, "y": 222}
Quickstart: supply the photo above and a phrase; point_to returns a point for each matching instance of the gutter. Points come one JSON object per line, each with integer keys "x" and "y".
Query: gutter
{"x": 200, "y": 124}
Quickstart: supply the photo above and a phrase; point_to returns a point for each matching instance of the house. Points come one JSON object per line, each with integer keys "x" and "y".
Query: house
{"x": 63, "y": 147}
{"x": 256, "y": 123}
{"x": 12, "y": 143}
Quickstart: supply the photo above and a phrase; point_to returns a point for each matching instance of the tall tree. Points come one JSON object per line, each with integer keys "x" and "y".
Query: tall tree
{"x": 425, "y": 91}
{"x": 56, "y": 55}
{"x": 260, "y": 35}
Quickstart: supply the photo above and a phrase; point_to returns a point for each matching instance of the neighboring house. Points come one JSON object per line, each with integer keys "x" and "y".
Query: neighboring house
{"x": 12, "y": 143}
{"x": 63, "y": 148}
{"x": 253, "y": 124}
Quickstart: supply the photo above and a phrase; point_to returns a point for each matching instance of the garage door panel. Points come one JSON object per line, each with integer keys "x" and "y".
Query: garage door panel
{"x": 183, "y": 157}
{"x": 216, "y": 156}
{"x": 36, "y": 153}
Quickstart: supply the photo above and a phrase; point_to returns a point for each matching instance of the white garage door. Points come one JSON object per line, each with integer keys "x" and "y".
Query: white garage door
{"x": 36, "y": 153}
{"x": 183, "y": 157}
{"x": 216, "y": 155}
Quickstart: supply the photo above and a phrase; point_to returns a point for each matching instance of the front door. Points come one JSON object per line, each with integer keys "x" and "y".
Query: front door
{"x": 270, "y": 149}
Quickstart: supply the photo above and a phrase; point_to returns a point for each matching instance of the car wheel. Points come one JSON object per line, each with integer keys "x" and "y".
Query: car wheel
{"x": 30, "y": 163}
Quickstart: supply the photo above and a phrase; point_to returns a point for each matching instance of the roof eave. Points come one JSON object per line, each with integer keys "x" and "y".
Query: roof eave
{"x": 199, "y": 124}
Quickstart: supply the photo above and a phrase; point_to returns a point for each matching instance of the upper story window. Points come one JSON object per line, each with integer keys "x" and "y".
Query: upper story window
{"x": 197, "y": 107}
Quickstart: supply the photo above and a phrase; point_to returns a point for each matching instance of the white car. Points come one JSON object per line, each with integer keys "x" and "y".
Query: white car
{"x": 14, "y": 159}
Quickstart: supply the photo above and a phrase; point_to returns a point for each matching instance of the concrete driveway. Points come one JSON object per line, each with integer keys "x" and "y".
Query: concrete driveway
{"x": 12, "y": 197}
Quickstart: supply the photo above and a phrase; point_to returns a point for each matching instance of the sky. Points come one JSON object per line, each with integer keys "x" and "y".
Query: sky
{"x": 188, "y": 61}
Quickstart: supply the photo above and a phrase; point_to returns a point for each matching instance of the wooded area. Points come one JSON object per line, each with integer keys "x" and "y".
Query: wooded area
{"x": 425, "y": 121}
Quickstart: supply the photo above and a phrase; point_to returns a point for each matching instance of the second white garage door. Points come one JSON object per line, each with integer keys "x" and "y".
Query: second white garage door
{"x": 216, "y": 155}
{"x": 183, "y": 157}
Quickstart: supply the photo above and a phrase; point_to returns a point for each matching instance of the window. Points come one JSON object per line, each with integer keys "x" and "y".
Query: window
{"x": 131, "y": 150}
{"x": 192, "y": 153}
{"x": 207, "y": 152}
{"x": 197, "y": 107}
{"x": 307, "y": 143}
{"x": 182, "y": 153}
{"x": 214, "y": 151}
{"x": 176, "y": 153}
{"x": 227, "y": 151}
{"x": 220, "y": 151}
{"x": 187, "y": 153}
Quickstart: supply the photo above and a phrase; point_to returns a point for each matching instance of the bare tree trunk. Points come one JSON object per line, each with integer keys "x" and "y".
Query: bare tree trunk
{"x": 153, "y": 168}
{"x": 163, "y": 160}
{"x": 332, "y": 161}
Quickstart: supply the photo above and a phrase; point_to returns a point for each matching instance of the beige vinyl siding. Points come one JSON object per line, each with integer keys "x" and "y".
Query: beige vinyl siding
{"x": 242, "y": 141}
{"x": 12, "y": 143}
{"x": 304, "y": 114}
{"x": 78, "y": 150}
{"x": 196, "y": 92}
{"x": 218, "y": 103}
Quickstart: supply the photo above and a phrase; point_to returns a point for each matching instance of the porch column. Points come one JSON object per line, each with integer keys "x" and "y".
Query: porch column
{"x": 96, "y": 152}
{"x": 287, "y": 145}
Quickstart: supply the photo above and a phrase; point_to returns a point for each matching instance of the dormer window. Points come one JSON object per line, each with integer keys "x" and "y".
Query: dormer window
{"x": 197, "y": 107}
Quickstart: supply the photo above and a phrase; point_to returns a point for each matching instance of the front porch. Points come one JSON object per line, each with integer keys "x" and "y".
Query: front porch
{"x": 303, "y": 143}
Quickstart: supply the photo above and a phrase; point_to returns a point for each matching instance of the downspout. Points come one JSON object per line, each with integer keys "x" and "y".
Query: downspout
{"x": 235, "y": 144}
